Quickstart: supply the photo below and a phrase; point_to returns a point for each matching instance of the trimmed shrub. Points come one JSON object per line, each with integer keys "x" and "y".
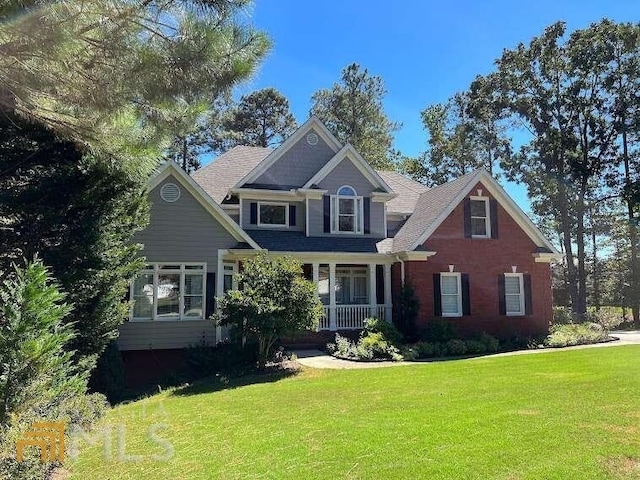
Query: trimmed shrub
{"x": 491, "y": 343}
{"x": 576, "y": 334}
{"x": 370, "y": 346}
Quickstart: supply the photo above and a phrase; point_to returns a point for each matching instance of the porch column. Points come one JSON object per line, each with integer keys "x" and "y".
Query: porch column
{"x": 388, "y": 307}
{"x": 372, "y": 291}
{"x": 332, "y": 297}
{"x": 316, "y": 277}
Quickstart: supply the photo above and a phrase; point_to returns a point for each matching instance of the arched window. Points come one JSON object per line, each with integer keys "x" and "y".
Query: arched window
{"x": 346, "y": 211}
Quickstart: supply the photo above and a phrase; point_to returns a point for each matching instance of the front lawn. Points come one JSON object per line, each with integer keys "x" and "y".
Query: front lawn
{"x": 564, "y": 414}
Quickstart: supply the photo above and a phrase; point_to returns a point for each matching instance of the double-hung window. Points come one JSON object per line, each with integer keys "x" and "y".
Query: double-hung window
{"x": 480, "y": 224}
{"x": 451, "y": 294}
{"x": 346, "y": 211}
{"x": 169, "y": 291}
{"x": 514, "y": 294}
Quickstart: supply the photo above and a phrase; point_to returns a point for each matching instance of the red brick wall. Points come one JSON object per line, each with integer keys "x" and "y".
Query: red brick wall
{"x": 483, "y": 260}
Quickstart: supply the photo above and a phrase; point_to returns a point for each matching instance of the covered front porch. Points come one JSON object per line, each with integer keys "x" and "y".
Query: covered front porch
{"x": 351, "y": 286}
{"x": 351, "y": 292}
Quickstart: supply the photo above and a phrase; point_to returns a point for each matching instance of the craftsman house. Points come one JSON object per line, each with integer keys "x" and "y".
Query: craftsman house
{"x": 470, "y": 253}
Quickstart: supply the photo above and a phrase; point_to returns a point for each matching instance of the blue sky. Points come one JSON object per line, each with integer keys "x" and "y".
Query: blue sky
{"x": 424, "y": 50}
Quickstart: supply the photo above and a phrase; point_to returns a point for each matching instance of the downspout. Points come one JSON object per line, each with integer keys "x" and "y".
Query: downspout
{"x": 401, "y": 268}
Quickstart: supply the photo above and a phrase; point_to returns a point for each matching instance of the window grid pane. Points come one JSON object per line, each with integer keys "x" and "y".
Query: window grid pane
{"x": 449, "y": 285}
{"x": 478, "y": 208}
{"x": 450, "y": 304}
{"x": 478, "y": 226}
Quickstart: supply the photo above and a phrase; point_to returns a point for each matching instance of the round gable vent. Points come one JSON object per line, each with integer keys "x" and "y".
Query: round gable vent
{"x": 312, "y": 139}
{"x": 170, "y": 192}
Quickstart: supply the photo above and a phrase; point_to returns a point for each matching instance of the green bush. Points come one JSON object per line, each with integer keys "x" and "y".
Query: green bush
{"x": 563, "y": 316}
{"x": 388, "y": 330}
{"x": 575, "y": 334}
{"x": 491, "y": 343}
{"x": 456, "y": 347}
{"x": 370, "y": 346}
{"x": 438, "y": 330}
{"x": 608, "y": 318}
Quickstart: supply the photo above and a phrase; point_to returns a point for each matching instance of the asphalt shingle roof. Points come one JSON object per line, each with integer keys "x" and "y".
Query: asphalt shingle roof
{"x": 408, "y": 192}
{"x": 228, "y": 169}
{"x": 298, "y": 242}
{"x": 430, "y": 205}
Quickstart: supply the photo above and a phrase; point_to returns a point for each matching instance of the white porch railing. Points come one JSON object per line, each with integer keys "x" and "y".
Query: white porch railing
{"x": 349, "y": 317}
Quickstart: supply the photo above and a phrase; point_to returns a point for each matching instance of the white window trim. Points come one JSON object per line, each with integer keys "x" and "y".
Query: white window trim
{"x": 358, "y": 212}
{"x": 487, "y": 216}
{"x": 459, "y": 279}
{"x": 274, "y": 225}
{"x": 522, "y": 312}
{"x": 234, "y": 270}
{"x": 155, "y": 271}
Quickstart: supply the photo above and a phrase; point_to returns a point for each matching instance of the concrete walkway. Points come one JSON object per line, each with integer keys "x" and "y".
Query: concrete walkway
{"x": 319, "y": 359}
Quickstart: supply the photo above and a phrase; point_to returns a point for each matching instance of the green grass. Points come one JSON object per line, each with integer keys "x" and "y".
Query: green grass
{"x": 563, "y": 414}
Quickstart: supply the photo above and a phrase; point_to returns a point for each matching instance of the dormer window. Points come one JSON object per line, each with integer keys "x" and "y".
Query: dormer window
{"x": 346, "y": 211}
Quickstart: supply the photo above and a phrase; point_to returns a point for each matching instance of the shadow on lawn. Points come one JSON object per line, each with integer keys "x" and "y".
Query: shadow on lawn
{"x": 237, "y": 379}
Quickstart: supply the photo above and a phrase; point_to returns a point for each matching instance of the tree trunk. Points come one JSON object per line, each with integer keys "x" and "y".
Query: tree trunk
{"x": 565, "y": 226}
{"x": 581, "y": 309}
{"x": 596, "y": 273}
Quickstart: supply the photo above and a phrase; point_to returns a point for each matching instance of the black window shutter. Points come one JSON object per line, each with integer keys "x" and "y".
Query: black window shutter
{"x": 380, "y": 284}
{"x": 493, "y": 213}
{"x": 466, "y": 299}
{"x": 437, "y": 300}
{"x": 467, "y": 217}
{"x": 528, "y": 304}
{"x": 326, "y": 206}
{"x": 253, "y": 213}
{"x": 502, "y": 305}
{"x": 366, "y": 211}
{"x": 210, "y": 299}
{"x": 292, "y": 215}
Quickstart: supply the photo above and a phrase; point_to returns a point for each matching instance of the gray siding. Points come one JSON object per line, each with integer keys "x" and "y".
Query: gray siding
{"x": 165, "y": 334}
{"x": 316, "y": 220}
{"x": 246, "y": 216}
{"x": 182, "y": 231}
{"x": 298, "y": 164}
{"x": 235, "y": 217}
{"x": 346, "y": 173}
